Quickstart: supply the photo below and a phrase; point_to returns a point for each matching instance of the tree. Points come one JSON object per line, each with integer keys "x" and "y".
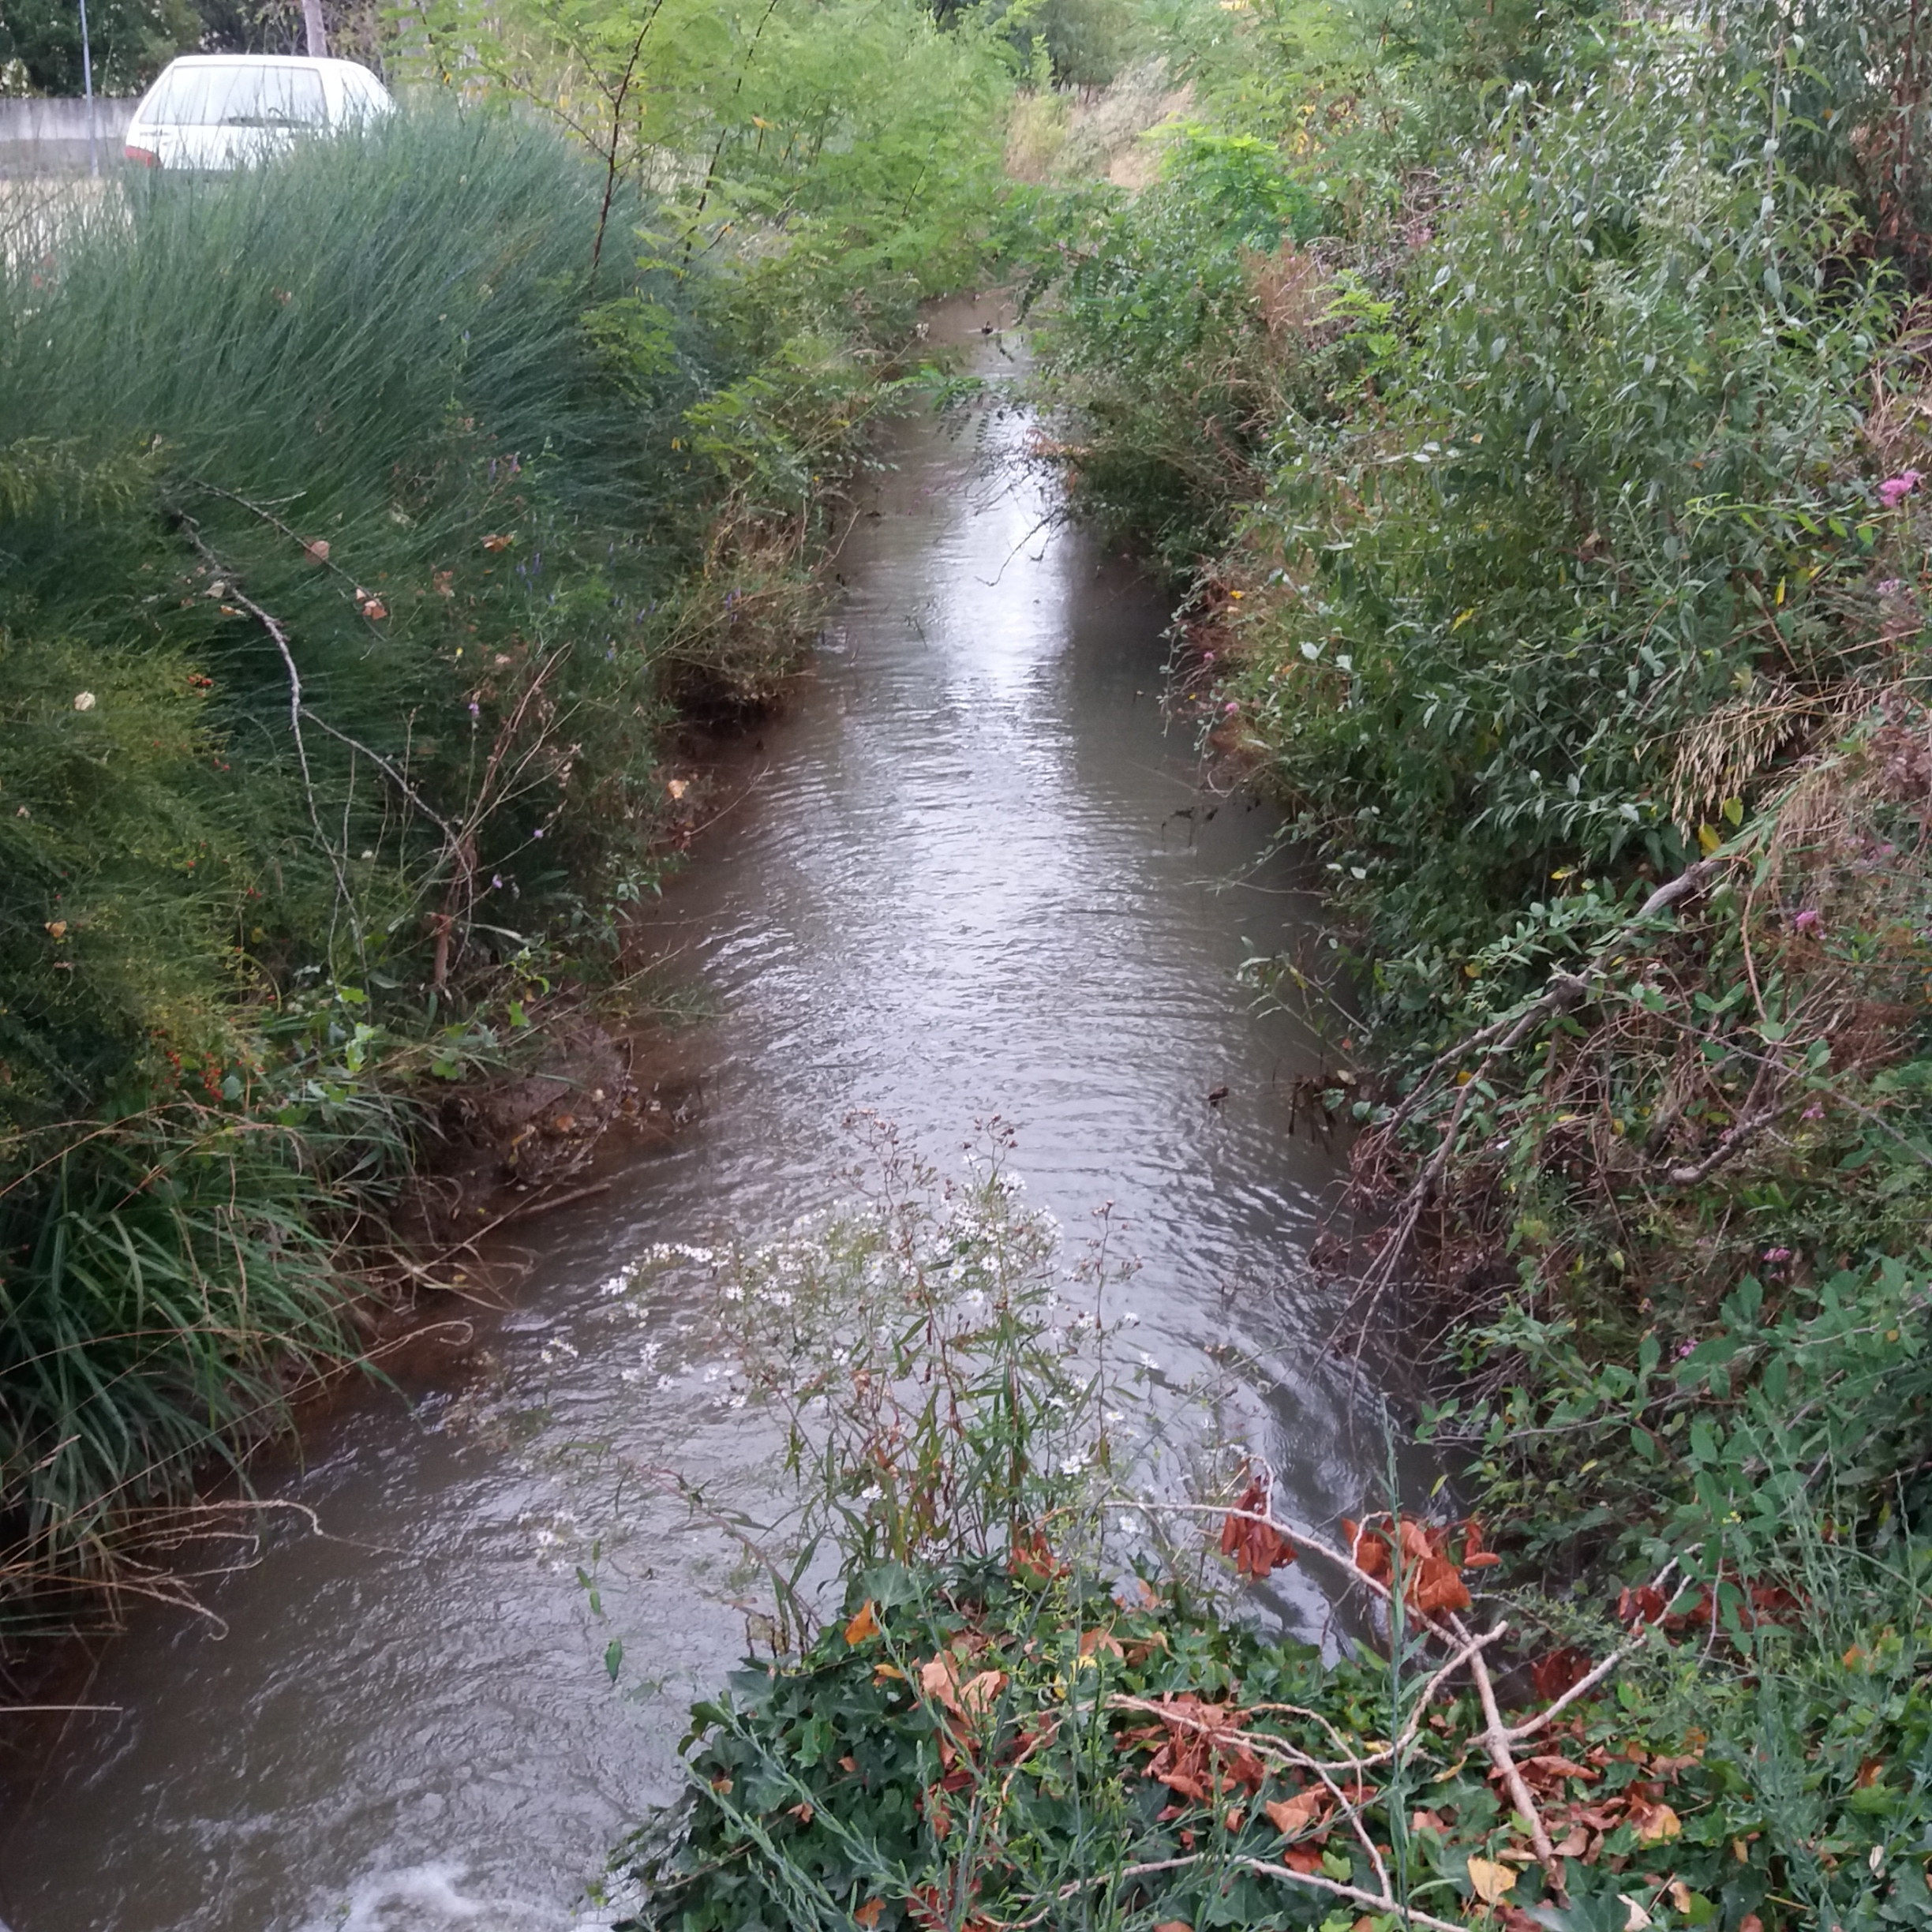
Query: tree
{"x": 131, "y": 41}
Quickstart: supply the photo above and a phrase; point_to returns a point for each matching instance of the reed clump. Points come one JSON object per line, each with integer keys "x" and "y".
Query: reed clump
{"x": 359, "y": 540}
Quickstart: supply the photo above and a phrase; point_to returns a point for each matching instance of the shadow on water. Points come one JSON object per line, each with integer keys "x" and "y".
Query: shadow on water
{"x": 970, "y": 874}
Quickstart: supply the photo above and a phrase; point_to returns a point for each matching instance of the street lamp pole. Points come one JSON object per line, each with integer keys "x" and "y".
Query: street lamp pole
{"x": 87, "y": 83}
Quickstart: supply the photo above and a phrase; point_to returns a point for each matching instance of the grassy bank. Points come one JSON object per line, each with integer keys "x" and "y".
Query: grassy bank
{"x": 1016, "y": 1678}
{"x": 369, "y": 522}
{"x": 1536, "y": 406}
{"x": 1531, "y": 406}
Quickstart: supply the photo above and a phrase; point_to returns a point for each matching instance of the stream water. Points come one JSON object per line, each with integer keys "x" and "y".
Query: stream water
{"x": 971, "y": 871}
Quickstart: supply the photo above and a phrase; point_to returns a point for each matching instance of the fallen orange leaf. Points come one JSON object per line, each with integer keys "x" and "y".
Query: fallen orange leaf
{"x": 977, "y": 1693}
{"x": 1292, "y": 1816}
{"x": 939, "y": 1680}
{"x": 864, "y": 1625}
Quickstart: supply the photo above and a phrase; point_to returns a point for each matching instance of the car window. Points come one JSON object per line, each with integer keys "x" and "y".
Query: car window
{"x": 252, "y": 96}
{"x": 361, "y": 96}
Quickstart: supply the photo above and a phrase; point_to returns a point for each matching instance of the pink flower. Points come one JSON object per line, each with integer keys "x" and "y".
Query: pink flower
{"x": 1809, "y": 919}
{"x": 1892, "y": 488}
{"x": 1814, "y": 1111}
{"x": 1777, "y": 1256}
{"x": 1231, "y": 707}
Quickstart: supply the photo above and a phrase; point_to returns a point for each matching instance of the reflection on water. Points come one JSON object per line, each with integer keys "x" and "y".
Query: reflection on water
{"x": 970, "y": 874}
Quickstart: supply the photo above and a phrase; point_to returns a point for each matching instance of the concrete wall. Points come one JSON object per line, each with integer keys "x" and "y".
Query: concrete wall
{"x": 50, "y": 136}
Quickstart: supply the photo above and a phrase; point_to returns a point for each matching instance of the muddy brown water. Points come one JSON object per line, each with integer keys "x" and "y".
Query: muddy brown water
{"x": 971, "y": 872}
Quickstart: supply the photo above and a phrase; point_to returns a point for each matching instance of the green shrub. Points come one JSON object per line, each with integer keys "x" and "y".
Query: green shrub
{"x": 360, "y": 538}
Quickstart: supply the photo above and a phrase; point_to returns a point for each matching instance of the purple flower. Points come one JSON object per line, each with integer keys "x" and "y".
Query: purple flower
{"x": 1777, "y": 1256}
{"x": 1814, "y": 1111}
{"x": 476, "y": 710}
{"x": 1893, "y": 488}
{"x": 1686, "y": 1348}
{"x": 497, "y": 881}
{"x": 1231, "y": 707}
{"x": 538, "y": 833}
{"x": 1890, "y": 587}
{"x": 1809, "y": 920}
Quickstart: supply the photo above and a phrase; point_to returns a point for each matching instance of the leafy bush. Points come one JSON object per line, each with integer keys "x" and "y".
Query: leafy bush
{"x": 364, "y": 528}
{"x": 973, "y": 1749}
{"x": 1160, "y": 335}
{"x": 1008, "y": 1719}
{"x": 1571, "y": 588}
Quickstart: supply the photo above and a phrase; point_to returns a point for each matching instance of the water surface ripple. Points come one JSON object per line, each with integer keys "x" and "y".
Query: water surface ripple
{"x": 971, "y": 873}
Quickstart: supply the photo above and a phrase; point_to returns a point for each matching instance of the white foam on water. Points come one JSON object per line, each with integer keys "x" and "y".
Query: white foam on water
{"x": 432, "y": 1898}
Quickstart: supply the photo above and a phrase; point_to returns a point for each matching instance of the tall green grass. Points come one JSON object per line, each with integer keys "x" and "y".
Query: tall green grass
{"x": 355, "y": 545}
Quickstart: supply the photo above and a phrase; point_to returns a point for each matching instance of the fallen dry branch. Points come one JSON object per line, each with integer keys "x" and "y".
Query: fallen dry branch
{"x": 1498, "y": 1738}
{"x": 1565, "y": 992}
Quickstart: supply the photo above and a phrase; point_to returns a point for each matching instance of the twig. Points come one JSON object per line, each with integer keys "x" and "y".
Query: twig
{"x": 1581, "y": 1688}
{"x": 280, "y": 638}
{"x": 1408, "y": 1913}
{"x": 1496, "y": 1742}
{"x": 1735, "y": 1141}
{"x": 530, "y": 1210}
{"x": 1565, "y": 992}
{"x": 1386, "y": 1903}
{"x": 28, "y": 1710}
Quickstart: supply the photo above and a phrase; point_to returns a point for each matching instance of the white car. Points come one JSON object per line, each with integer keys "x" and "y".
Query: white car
{"x": 210, "y": 112}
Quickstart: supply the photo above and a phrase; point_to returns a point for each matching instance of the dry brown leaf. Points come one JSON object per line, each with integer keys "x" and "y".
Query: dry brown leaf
{"x": 1635, "y": 1917}
{"x": 1489, "y": 1880}
{"x": 868, "y": 1914}
{"x": 864, "y": 1625}
{"x": 1655, "y": 1823}
{"x": 977, "y": 1694}
{"x": 938, "y": 1679}
{"x": 1293, "y": 1816}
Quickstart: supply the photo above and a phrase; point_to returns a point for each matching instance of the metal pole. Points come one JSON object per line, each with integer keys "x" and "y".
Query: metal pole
{"x": 86, "y": 82}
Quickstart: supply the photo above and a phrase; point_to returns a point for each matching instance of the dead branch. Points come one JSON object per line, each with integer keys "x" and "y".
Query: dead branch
{"x": 1565, "y": 992}
{"x": 279, "y": 637}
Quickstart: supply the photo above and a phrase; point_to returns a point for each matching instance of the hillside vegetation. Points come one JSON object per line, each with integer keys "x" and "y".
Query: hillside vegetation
{"x": 1533, "y": 408}
{"x": 367, "y": 519}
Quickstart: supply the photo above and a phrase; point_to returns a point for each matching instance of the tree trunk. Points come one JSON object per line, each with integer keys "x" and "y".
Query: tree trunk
{"x": 318, "y": 36}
